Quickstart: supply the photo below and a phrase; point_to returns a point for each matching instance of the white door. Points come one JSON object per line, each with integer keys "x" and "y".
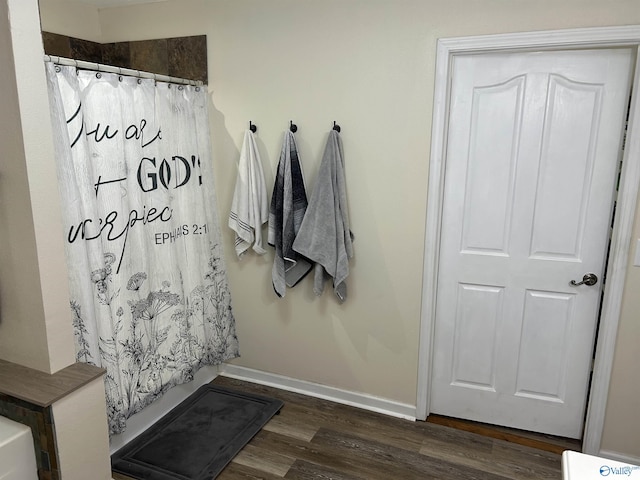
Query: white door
{"x": 533, "y": 149}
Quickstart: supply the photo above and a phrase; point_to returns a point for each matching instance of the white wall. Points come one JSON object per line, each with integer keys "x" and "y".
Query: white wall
{"x": 35, "y": 318}
{"x": 368, "y": 64}
{"x": 622, "y": 423}
{"x": 82, "y": 435}
{"x": 18, "y": 263}
{"x": 35, "y": 326}
{"x": 70, "y": 18}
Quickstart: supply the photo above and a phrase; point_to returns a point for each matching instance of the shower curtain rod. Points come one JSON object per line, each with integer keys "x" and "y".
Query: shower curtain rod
{"x": 121, "y": 71}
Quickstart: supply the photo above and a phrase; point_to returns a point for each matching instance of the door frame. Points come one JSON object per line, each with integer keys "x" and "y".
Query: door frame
{"x": 624, "y": 36}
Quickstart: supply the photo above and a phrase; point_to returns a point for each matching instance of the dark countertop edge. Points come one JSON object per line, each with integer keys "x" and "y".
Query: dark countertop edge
{"x": 41, "y": 388}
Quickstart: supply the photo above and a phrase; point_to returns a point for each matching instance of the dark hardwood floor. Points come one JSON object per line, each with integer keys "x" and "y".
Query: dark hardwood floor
{"x": 317, "y": 439}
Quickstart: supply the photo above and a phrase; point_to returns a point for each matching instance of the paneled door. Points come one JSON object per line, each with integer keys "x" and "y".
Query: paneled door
{"x": 533, "y": 149}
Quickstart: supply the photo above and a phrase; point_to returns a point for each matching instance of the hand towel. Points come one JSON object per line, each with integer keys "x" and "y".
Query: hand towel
{"x": 249, "y": 209}
{"x": 288, "y": 205}
{"x": 325, "y": 236}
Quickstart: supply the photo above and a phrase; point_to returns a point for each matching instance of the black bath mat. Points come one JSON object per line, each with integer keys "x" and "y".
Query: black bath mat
{"x": 198, "y": 438}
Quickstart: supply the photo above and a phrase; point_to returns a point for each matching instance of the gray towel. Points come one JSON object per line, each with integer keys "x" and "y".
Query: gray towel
{"x": 325, "y": 236}
{"x": 288, "y": 205}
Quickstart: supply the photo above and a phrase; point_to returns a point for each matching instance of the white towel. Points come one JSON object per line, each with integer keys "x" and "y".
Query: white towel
{"x": 325, "y": 236}
{"x": 249, "y": 210}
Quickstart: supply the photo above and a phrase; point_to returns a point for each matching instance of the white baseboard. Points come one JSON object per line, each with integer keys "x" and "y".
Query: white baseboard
{"x": 338, "y": 395}
{"x": 620, "y": 457}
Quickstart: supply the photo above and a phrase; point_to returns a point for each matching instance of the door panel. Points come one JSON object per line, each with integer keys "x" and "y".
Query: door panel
{"x": 545, "y": 325}
{"x": 475, "y": 302}
{"x": 495, "y": 119}
{"x": 532, "y": 154}
{"x": 565, "y": 178}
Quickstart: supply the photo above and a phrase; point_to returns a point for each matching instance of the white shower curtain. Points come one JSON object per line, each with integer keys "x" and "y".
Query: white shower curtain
{"x": 150, "y": 300}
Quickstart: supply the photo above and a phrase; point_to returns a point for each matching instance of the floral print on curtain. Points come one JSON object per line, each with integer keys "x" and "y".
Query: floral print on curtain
{"x": 150, "y": 300}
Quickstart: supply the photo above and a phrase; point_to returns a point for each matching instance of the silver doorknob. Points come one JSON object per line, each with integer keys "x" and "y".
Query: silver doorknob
{"x": 589, "y": 279}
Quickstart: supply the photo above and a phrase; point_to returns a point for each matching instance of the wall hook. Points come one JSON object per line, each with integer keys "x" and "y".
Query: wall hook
{"x": 336, "y": 127}
{"x": 252, "y": 127}
{"x": 292, "y": 126}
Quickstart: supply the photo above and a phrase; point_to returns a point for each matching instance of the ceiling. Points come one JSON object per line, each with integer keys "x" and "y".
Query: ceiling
{"x": 116, "y": 3}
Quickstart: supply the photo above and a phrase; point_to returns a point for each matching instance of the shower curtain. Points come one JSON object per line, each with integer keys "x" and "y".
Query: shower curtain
{"x": 150, "y": 301}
